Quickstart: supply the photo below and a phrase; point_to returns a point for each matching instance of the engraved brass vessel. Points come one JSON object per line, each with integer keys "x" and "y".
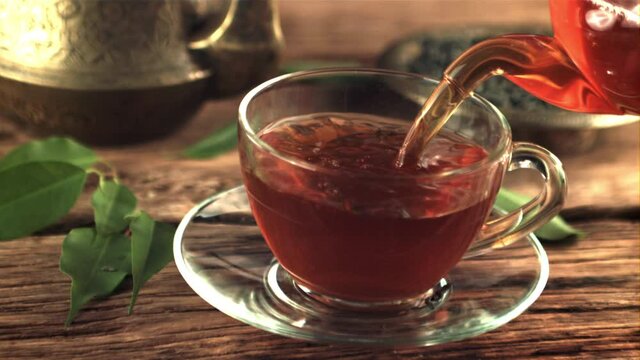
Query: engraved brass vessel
{"x": 119, "y": 71}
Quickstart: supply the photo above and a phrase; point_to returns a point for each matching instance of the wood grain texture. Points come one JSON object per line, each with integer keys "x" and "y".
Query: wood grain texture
{"x": 590, "y": 308}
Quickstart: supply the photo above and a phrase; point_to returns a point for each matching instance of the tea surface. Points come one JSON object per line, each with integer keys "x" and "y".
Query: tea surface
{"x": 365, "y": 145}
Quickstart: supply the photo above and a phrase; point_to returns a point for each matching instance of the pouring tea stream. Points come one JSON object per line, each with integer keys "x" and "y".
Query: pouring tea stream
{"x": 589, "y": 65}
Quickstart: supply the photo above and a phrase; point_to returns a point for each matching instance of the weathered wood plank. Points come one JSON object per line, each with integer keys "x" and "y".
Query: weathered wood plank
{"x": 589, "y": 308}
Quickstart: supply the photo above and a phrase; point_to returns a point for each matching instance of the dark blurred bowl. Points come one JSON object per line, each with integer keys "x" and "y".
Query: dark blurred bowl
{"x": 101, "y": 117}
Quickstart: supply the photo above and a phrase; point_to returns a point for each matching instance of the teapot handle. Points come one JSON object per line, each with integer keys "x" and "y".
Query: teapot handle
{"x": 206, "y": 19}
{"x": 519, "y": 223}
{"x": 243, "y": 49}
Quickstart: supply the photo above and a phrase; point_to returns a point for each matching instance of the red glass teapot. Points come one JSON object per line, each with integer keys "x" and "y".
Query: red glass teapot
{"x": 592, "y": 64}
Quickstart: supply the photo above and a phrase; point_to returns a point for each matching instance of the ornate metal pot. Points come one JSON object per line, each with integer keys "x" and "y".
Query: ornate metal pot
{"x": 117, "y": 71}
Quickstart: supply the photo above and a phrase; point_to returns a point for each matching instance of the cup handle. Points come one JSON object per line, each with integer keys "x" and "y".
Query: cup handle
{"x": 517, "y": 224}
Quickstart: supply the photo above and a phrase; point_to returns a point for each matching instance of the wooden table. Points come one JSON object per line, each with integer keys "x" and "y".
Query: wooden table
{"x": 589, "y": 309}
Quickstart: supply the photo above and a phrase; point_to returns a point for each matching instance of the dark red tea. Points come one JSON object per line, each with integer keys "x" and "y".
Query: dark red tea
{"x": 592, "y": 62}
{"x": 602, "y": 37}
{"x": 345, "y": 221}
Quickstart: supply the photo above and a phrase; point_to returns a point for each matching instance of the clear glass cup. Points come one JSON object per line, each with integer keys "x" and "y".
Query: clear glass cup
{"x": 371, "y": 242}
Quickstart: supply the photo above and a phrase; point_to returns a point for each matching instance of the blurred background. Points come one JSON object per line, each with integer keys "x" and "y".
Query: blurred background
{"x": 357, "y": 28}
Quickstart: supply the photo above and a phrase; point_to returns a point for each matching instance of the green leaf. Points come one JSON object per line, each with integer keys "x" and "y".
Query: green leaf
{"x": 35, "y": 195}
{"x": 97, "y": 264}
{"x": 556, "y": 229}
{"x": 223, "y": 140}
{"x": 112, "y": 202}
{"x": 151, "y": 250}
{"x": 300, "y": 65}
{"x": 52, "y": 149}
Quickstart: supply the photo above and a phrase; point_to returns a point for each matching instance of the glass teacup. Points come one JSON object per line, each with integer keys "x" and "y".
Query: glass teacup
{"x": 367, "y": 240}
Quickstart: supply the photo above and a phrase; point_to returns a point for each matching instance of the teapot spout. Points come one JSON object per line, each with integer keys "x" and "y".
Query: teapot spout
{"x": 244, "y": 49}
{"x": 536, "y": 63}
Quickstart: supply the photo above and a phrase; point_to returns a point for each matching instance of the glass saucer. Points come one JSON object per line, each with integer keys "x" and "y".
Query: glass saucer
{"x": 221, "y": 254}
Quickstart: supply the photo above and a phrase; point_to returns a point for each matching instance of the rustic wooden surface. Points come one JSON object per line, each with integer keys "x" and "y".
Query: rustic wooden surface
{"x": 589, "y": 309}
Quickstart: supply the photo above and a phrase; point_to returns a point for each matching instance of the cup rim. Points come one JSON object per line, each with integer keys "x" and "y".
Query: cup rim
{"x": 494, "y": 156}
